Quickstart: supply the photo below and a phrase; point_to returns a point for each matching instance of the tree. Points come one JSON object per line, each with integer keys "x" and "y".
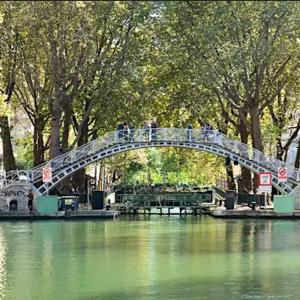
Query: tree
{"x": 235, "y": 48}
{"x": 9, "y": 49}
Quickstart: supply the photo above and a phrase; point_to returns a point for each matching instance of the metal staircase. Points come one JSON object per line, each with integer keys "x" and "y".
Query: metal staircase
{"x": 120, "y": 141}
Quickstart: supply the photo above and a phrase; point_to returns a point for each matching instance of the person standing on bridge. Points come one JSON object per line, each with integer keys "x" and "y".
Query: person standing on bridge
{"x": 204, "y": 131}
{"x": 218, "y": 137}
{"x": 147, "y": 131}
{"x": 190, "y": 132}
{"x": 126, "y": 131}
{"x": 206, "y": 128}
{"x": 120, "y": 129}
{"x": 154, "y": 130}
{"x": 131, "y": 132}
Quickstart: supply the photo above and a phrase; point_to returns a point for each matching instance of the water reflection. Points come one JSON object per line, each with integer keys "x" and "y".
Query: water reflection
{"x": 150, "y": 258}
{"x": 2, "y": 264}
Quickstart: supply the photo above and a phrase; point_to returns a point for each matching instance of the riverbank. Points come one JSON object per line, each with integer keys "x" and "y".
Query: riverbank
{"x": 263, "y": 214}
{"x": 68, "y": 215}
{"x": 112, "y": 214}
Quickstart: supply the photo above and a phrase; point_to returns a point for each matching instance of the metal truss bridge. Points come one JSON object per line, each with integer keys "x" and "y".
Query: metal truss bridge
{"x": 119, "y": 141}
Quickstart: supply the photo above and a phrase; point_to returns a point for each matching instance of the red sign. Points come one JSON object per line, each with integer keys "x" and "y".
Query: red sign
{"x": 47, "y": 174}
{"x": 265, "y": 179}
{"x": 282, "y": 174}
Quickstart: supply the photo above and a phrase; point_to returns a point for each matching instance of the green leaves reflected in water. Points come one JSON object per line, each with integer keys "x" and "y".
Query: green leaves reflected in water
{"x": 150, "y": 258}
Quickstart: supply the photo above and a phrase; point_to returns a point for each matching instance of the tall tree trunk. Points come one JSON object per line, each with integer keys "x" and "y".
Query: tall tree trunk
{"x": 38, "y": 144}
{"x": 55, "y": 111}
{"x": 279, "y": 148}
{"x": 256, "y": 136}
{"x": 230, "y": 178}
{"x": 58, "y": 70}
{"x": 297, "y": 161}
{"x": 65, "y": 185}
{"x": 229, "y": 170}
{"x": 256, "y": 129}
{"x": 244, "y": 184}
{"x": 78, "y": 179}
{"x": 66, "y": 125}
{"x": 8, "y": 155}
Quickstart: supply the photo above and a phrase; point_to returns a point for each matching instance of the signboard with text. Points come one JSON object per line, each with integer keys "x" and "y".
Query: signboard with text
{"x": 47, "y": 174}
{"x": 265, "y": 182}
{"x": 264, "y": 189}
{"x": 265, "y": 179}
{"x": 282, "y": 174}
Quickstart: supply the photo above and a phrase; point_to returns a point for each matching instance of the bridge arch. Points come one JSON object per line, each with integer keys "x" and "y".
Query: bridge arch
{"x": 119, "y": 141}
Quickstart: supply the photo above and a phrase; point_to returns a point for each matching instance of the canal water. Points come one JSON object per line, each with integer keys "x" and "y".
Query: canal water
{"x": 150, "y": 258}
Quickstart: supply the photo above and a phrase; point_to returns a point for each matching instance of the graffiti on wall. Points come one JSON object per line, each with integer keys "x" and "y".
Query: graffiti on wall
{"x": 15, "y": 198}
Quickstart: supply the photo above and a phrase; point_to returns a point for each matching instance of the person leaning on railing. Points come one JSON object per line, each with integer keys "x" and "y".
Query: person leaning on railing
{"x": 153, "y": 130}
{"x": 120, "y": 129}
{"x": 190, "y": 133}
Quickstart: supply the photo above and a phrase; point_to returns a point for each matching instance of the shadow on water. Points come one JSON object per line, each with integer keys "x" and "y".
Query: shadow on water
{"x": 253, "y": 264}
{"x": 209, "y": 288}
{"x": 157, "y": 257}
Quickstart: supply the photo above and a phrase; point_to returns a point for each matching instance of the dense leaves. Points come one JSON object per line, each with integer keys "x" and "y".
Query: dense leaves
{"x": 76, "y": 68}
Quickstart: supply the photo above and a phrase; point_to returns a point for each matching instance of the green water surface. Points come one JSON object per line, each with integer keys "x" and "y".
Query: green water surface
{"x": 150, "y": 258}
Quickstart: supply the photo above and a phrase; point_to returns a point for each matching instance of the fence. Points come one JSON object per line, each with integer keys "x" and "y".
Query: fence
{"x": 164, "y": 199}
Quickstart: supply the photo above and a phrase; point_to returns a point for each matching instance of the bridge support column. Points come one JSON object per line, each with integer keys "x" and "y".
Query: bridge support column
{"x": 182, "y": 209}
{"x": 169, "y": 210}
{"x": 147, "y": 209}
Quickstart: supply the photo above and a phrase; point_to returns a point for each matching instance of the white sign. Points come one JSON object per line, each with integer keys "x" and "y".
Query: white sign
{"x": 282, "y": 174}
{"x": 265, "y": 179}
{"x": 47, "y": 174}
{"x": 264, "y": 189}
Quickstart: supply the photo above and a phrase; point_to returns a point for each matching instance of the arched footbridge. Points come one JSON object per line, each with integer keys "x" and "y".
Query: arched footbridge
{"x": 119, "y": 141}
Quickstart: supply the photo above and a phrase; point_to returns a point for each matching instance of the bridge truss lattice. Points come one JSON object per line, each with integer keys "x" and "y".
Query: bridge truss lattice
{"x": 119, "y": 141}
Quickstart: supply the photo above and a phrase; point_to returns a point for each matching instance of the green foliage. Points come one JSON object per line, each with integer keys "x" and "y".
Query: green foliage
{"x": 173, "y": 167}
{"x": 77, "y": 68}
{"x": 24, "y": 153}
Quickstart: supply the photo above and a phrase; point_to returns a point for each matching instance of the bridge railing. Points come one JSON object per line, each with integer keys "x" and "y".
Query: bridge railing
{"x": 117, "y": 138}
{"x": 164, "y": 199}
{"x": 268, "y": 162}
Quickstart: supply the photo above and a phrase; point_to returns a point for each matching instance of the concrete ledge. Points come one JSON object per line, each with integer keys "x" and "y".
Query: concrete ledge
{"x": 92, "y": 214}
{"x": 270, "y": 214}
{"x": 69, "y": 215}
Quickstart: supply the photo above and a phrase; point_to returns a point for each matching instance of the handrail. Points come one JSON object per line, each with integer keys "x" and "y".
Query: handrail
{"x": 147, "y": 135}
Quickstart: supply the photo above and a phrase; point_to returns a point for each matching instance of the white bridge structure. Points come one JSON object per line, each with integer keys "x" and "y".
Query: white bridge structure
{"x": 120, "y": 141}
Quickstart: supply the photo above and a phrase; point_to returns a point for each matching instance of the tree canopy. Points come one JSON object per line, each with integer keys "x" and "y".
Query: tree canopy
{"x": 74, "y": 69}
